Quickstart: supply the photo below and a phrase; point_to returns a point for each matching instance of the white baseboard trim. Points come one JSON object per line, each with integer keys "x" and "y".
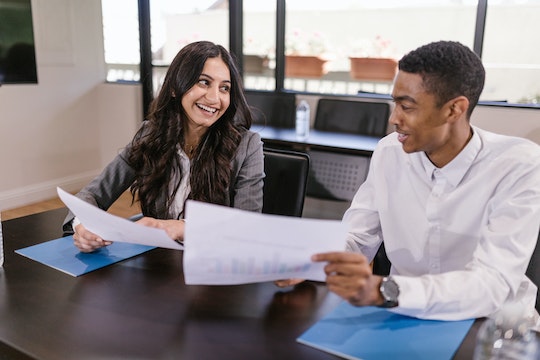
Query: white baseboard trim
{"x": 30, "y": 194}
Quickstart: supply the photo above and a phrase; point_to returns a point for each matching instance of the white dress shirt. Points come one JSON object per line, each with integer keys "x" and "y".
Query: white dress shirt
{"x": 459, "y": 237}
{"x": 177, "y": 207}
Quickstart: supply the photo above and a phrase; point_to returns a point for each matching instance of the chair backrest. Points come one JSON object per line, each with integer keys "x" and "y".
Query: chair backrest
{"x": 285, "y": 182}
{"x": 381, "y": 264}
{"x": 272, "y": 109}
{"x": 353, "y": 117}
{"x": 533, "y": 270}
{"x": 336, "y": 176}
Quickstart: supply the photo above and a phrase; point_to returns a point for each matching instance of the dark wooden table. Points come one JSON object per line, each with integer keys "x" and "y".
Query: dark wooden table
{"x": 141, "y": 309}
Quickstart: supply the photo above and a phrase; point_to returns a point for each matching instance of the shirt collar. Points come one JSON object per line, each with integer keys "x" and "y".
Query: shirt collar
{"x": 456, "y": 169}
{"x": 182, "y": 153}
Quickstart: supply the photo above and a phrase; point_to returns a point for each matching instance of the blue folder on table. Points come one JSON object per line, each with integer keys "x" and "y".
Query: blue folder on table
{"x": 61, "y": 254}
{"x": 375, "y": 333}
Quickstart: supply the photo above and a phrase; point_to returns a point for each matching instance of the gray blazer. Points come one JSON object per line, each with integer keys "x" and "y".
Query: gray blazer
{"x": 245, "y": 192}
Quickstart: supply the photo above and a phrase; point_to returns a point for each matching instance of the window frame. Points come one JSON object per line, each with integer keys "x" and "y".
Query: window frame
{"x": 236, "y": 47}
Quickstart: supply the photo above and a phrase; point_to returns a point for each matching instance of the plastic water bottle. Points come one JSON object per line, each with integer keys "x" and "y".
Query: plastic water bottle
{"x": 302, "y": 120}
{"x": 506, "y": 335}
{"x": 1, "y": 244}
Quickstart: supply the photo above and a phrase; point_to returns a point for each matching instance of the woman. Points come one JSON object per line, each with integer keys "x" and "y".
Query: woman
{"x": 194, "y": 145}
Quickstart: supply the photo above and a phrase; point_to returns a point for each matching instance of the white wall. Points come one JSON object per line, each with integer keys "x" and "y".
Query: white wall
{"x": 62, "y": 131}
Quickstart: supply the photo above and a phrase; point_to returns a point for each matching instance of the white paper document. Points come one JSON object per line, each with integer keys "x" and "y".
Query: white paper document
{"x": 230, "y": 246}
{"x": 114, "y": 228}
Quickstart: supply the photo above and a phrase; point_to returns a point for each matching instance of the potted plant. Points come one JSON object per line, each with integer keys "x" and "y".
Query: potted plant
{"x": 305, "y": 54}
{"x": 256, "y": 57}
{"x": 373, "y": 60}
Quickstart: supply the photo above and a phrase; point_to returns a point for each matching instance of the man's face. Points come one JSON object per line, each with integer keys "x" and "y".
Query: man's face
{"x": 421, "y": 125}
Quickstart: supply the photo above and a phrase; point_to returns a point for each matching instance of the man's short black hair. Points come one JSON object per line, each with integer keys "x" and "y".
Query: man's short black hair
{"x": 448, "y": 69}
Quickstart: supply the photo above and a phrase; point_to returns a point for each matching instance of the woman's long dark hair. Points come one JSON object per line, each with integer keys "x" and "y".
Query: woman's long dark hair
{"x": 154, "y": 148}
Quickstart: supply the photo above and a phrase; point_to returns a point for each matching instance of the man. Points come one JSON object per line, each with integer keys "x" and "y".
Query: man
{"x": 458, "y": 208}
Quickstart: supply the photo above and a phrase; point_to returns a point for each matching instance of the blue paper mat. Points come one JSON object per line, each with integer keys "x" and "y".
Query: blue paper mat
{"x": 61, "y": 254}
{"x": 375, "y": 333}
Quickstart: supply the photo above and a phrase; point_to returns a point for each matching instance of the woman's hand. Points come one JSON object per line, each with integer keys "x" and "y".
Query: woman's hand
{"x": 173, "y": 228}
{"x": 86, "y": 241}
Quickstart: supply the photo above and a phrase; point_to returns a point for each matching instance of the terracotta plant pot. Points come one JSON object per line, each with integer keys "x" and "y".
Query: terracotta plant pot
{"x": 255, "y": 64}
{"x": 381, "y": 69}
{"x": 305, "y": 66}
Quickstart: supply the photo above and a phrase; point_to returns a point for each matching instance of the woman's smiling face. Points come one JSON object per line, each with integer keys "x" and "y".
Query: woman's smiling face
{"x": 210, "y": 97}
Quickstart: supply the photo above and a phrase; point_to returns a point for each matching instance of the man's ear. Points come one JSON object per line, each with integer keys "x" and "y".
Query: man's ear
{"x": 457, "y": 107}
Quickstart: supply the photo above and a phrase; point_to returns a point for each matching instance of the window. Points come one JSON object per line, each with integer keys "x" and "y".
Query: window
{"x": 259, "y": 46}
{"x": 121, "y": 39}
{"x": 510, "y": 52}
{"x": 173, "y": 25}
{"x": 374, "y": 29}
{"x": 177, "y": 23}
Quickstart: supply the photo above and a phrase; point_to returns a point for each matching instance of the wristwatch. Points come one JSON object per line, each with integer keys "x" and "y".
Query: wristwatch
{"x": 390, "y": 291}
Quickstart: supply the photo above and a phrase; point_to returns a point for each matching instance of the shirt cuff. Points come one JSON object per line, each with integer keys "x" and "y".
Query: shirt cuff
{"x": 412, "y": 295}
{"x": 75, "y": 222}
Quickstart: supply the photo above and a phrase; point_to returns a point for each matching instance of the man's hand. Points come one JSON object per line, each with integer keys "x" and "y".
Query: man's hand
{"x": 349, "y": 276}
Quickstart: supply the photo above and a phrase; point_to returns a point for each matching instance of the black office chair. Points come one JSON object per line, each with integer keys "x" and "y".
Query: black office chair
{"x": 285, "y": 182}
{"x": 533, "y": 270}
{"x": 381, "y": 264}
{"x": 335, "y": 175}
{"x": 352, "y": 117}
{"x": 272, "y": 108}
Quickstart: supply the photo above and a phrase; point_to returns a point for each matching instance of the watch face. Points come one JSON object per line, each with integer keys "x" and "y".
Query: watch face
{"x": 390, "y": 289}
{"x": 390, "y": 292}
